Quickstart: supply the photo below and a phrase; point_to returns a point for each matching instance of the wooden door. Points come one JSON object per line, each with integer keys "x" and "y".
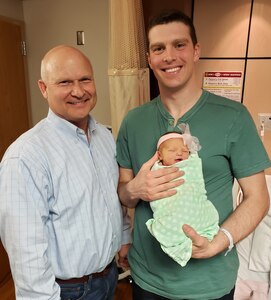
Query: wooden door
{"x": 14, "y": 110}
{"x": 14, "y": 113}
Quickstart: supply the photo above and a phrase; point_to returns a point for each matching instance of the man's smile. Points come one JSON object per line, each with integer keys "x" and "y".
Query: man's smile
{"x": 172, "y": 70}
{"x": 77, "y": 102}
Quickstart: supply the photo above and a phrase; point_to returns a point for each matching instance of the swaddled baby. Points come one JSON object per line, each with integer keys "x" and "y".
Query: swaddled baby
{"x": 188, "y": 206}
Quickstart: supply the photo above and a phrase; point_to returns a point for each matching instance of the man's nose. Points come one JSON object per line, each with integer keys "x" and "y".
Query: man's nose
{"x": 77, "y": 90}
{"x": 169, "y": 55}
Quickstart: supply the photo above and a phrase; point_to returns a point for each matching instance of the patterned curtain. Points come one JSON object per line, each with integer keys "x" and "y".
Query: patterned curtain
{"x": 128, "y": 69}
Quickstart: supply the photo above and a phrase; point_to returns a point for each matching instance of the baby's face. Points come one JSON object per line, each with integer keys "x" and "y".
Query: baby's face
{"x": 172, "y": 151}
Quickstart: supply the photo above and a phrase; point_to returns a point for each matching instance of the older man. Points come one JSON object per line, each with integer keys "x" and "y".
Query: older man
{"x": 61, "y": 222}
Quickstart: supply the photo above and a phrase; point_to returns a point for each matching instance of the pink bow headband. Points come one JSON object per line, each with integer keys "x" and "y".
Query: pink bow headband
{"x": 168, "y": 136}
{"x": 190, "y": 141}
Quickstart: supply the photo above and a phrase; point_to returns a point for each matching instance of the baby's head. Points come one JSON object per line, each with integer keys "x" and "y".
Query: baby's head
{"x": 172, "y": 148}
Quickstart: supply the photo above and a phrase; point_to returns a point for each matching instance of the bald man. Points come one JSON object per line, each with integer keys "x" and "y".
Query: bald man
{"x": 61, "y": 222}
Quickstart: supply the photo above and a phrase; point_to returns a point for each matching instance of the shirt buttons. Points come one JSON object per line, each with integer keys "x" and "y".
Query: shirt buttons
{"x": 171, "y": 122}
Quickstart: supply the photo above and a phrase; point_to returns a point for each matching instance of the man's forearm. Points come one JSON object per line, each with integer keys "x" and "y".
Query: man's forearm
{"x": 127, "y": 197}
{"x": 240, "y": 223}
{"x": 246, "y": 217}
{"x": 253, "y": 208}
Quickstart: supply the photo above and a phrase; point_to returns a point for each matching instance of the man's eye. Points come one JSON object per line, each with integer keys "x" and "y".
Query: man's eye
{"x": 64, "y": 83}
{"x": 86, "y": 80}
{"x": 157, "y": 50}
{"x": 180, "y": 45}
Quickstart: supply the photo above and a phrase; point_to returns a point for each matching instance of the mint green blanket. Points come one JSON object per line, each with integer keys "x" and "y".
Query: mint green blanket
{"x": 188, "y": 206}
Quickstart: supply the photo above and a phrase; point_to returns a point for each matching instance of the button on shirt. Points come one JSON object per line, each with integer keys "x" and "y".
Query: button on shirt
{"x": 60, "y": 215}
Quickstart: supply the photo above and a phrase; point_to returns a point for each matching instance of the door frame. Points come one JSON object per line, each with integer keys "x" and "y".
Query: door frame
{"x": 27, "y": 86}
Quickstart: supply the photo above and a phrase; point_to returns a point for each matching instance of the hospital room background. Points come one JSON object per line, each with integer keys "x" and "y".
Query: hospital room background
{"x": 235, "y": 38}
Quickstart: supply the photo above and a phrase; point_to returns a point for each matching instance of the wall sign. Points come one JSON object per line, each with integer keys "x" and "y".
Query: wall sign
{"x": 226, "y": 84}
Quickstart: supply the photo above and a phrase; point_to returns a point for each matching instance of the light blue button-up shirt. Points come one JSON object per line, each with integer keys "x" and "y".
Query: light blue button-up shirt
{"x": 60, "y": 215}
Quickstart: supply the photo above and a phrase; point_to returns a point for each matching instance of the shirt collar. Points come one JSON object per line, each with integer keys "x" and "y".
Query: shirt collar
{"x": 166, "y": 115}
{"x": 67, "y": 126}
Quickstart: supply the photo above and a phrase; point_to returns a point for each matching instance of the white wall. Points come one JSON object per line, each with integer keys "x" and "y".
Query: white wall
{"x": 12, "y": 9}
{"x": 53, "y": 22}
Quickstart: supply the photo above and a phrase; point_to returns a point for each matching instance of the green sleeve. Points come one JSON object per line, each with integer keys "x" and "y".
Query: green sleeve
{"x": 247, "y": 153}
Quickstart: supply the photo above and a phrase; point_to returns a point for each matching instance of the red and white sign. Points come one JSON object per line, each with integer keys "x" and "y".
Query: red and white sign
{"x": 226, "y": 84}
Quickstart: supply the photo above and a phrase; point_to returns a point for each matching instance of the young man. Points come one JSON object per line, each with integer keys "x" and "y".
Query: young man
{"x": 231, "y": 149}
{"x": 60, "y": 216}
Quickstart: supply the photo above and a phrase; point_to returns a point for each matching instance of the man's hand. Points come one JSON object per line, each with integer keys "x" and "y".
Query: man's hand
{"x": 201, "y": 247}
{"x": 152, "y": 185}
{"x": 122, "y": 256}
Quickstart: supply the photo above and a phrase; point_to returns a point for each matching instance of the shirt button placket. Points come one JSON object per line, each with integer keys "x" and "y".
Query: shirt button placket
{"x": 170, "y": 124}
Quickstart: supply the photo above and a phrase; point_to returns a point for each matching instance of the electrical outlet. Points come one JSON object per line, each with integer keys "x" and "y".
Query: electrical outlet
{"x": 265, "y": 120}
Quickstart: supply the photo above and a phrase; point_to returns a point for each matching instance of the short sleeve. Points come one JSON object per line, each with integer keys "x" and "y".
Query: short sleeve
{"x": 123, "y": 153}
{"x": 247, "y": 153}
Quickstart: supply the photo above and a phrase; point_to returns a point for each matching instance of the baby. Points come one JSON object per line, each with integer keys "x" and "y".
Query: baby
{"x": 189, "y": 205}
{"x": 172, "y": 149}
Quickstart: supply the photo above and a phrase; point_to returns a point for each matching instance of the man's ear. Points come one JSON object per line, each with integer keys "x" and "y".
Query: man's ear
{"x": 196, "y": 52}
{"x": 149, "y": 59}
{"x": 43, "y": 88}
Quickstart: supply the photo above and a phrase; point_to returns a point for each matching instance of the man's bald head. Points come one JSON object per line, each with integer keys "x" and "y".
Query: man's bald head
{"x": 58, "y": 57}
